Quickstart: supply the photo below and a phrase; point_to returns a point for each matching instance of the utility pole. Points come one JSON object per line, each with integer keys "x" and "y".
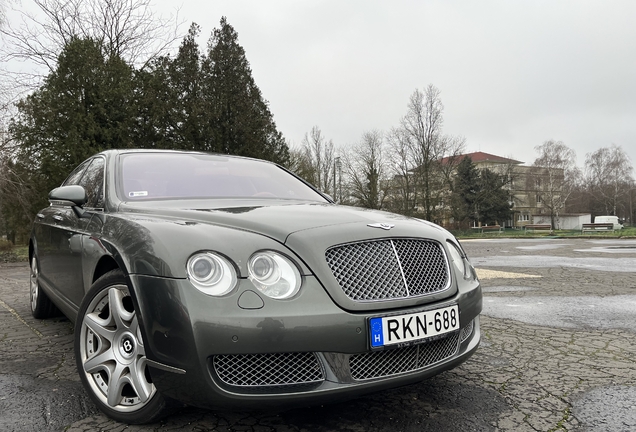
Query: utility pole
{"x": 335, "y": 192}
{"x": 339, "y": 167}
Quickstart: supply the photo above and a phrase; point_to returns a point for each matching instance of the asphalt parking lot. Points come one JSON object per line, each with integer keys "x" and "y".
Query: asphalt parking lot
{"x": 558, "y": 352}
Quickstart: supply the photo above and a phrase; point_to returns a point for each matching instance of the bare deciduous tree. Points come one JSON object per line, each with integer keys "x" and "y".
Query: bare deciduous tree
{"x": 404, "y": 193}
{"x": 555, "y": 176}
{"x": 366, "y": 169}
{"x": 422, "y": 124}
{"x": 318, "y": 160}
{"x": 127, "y": 28}
{"x": 608, "y": 172}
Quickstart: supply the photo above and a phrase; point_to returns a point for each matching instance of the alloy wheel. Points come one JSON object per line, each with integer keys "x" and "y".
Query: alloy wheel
{"x": 112, "y": 351}
{"x": 34, "y": 287}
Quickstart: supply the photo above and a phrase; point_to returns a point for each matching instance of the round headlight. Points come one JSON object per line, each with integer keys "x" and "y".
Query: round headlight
{"x": 211, "y": 273}
{"x": 274, "y": 274}
{"x": 265, "y": 269}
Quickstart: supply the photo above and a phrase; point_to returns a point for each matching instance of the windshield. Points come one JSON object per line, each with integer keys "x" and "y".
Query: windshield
{"x": 151, "y": 176}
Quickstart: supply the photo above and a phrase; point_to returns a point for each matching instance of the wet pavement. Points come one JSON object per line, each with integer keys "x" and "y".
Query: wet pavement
{"x": 558, "y": 353}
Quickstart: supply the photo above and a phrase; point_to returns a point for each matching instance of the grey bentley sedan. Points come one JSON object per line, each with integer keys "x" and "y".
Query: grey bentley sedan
{"x": 222, "y": 281}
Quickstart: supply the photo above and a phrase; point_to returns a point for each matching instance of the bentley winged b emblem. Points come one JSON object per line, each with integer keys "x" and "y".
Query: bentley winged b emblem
{"x": 384, "y": 226}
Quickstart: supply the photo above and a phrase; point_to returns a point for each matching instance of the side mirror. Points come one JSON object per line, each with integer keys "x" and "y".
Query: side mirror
{"x": 74, "y": 196}
{"x": 69, "y": 195}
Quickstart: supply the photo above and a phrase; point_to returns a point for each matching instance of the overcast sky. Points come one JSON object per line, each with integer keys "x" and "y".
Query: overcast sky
{"x": 512, "y": 74}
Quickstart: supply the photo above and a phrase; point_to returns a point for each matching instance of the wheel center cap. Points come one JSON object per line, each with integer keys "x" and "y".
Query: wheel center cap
{"x": 127, "y": 346}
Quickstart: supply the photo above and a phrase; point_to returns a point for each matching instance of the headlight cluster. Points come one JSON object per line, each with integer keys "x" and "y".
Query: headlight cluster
{"x": 273, "y": 274}
{"x": 211, "y": 273}
{"x": 461, "y": 262}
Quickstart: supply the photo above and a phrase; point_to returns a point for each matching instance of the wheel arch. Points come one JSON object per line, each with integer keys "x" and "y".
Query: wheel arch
{"x": 105, "y": 264}
{"x": 31, "y": 249}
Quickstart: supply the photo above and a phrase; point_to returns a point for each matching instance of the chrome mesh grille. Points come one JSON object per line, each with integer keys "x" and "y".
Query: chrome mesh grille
{"x": 423, "y": 264}
{"x": 466, "y": 331}
{"x": 268, "y": 370}
{"x": 378, "y": 364}
{"x": 389, "y": 268}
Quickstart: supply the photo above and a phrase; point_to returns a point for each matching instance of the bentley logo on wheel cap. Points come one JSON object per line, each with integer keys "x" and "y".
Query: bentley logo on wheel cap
{"x": 128, "y": 345}
{"x": 384, "y": 226}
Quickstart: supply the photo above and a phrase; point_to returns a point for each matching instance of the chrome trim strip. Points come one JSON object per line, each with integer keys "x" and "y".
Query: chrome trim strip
{"x": 397, "y": 257}
{"x": 165, "y": 367}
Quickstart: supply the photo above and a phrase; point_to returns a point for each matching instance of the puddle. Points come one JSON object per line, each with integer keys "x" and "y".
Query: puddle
{"x": 541, "y": 247}
{"x": 498, "y": 289}
{"x": 566, "y": 312}
{"x": 617, "y": 241}
{"x": 610, "y": 249}
{"x": 621, "y": 265}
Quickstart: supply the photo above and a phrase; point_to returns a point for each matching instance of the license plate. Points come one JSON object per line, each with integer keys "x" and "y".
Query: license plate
{"x": 408, "y": 328}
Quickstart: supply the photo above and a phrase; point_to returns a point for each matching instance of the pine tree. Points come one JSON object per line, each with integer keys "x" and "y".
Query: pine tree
{"x": 239, "y": 118}
{"x": 84, "y": 106}
{"x": 492, "y": 199}
{"x": 188, "y": 114}
{"x": 465, "y": 190}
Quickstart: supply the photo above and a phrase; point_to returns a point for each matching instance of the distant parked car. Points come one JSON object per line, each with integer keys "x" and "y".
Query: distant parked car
{"x": 609, "y": 219}
{"x": 226, "y": 281}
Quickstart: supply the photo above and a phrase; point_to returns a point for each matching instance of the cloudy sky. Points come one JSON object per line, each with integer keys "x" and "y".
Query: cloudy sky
{"x": 512, "y": 74}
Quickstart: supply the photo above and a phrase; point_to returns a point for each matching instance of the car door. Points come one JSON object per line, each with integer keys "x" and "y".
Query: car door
{"x": 68, "y": 232}
{"x": 49, "y": 236}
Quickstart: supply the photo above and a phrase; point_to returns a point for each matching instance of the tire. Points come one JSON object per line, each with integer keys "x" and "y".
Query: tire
{"x": 110, "y": 354}
{"x": 41, "y": 305}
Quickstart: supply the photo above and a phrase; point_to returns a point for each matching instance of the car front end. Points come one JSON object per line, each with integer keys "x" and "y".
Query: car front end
{"x": 375, "y": 308}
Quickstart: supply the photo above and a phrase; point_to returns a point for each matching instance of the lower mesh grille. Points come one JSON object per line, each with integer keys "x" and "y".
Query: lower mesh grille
{"x": 378, "y": 364}
{"x": 268, "y": 370}
{"x": 466, "y": 331}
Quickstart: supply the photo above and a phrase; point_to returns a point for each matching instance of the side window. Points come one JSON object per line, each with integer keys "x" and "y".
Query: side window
{"x": 75, "y": 176}
{"x": 93, "y": 182}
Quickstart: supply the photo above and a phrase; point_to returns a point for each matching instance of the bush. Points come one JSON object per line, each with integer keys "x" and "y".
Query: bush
{"x": 5, "y": 245}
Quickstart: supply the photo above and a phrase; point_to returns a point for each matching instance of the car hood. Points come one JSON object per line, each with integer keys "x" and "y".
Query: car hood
{"x": 277, "y": 219}
{"x": 308, "y": 230}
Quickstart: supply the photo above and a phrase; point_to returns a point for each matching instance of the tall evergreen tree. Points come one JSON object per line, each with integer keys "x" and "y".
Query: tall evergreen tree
{"x": 492, "y": 199}
{"x": 465, "y": 191}
{"x": 239, "y": 118}
{"x": 84, "y": 106}
{"x": 93, "y": 101}
{"x": 188, "y": 113}
{"x": 171, "y": 112}
{"x": 154, "y": 99}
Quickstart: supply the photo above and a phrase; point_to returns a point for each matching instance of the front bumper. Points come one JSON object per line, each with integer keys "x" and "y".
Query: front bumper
{"x": 228, "y": 351}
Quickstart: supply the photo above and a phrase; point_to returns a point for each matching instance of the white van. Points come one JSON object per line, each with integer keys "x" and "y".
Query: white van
{"x": 609, "y": 219}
